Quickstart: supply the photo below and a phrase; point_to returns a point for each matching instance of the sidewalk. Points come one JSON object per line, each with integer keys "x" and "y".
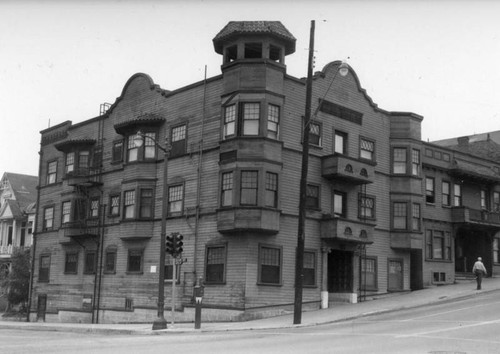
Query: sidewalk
{"x": 339, "y": 312}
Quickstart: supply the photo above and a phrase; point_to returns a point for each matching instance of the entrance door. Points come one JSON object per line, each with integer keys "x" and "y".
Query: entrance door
{"x": 416, "y": 276}
{"x": 42, "y": 307}
{"x": 340, "y": 271}
{"x": 395, "y": 276}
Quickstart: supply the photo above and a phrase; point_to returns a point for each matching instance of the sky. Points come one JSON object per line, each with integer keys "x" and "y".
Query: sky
{"x": 60, "y": 60}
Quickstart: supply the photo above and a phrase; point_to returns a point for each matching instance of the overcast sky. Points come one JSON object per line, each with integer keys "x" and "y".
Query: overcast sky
{"x": 59, "y": 60}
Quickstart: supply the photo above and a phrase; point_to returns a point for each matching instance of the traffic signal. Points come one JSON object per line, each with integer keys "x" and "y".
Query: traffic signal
{"x": 170, "y": 244}
{"x": 178, "y": 244}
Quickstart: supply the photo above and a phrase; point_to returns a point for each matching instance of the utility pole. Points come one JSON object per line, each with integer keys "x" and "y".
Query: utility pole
{"x": 299, "y": 259}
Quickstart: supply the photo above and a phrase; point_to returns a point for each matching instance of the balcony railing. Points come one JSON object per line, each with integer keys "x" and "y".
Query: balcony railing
{"x": 88, "y": 176}
{"x": 475, "y": 216}
{"x": 81, "y": 228}
{"x": 348, "y": 169}
{"x": 346, "y": 230}
{"x": 256, "y": 219}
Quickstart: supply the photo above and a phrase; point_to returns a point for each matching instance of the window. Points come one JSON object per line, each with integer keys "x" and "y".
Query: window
{"x": 129, "y": 205}
{"x": 249, "y": 185}
{"x": 369, "y": 273}
{"x": 169, "y": 269}
{"x": 146, "y": 203}
{"x": 227, "y": 189}
{"x": 110, "y": 261}
{"x": 114, "y": 205}
{"x": 399, "y": 163}
{"x": 250, "y": 118}
{"x": 90, "y": 262}
{"x": 271, "y": 189}
{"x": 314, "y": 133}
{"x": 366, "y": 207}
{"x": 66, "y": 212}
{"x": 429, "y": 190}
{"x": 117, "y": 153}
{"x": 70, "y": 162}
{"x": 457, "y": 195}
{"x": 312, "y": 196}
{"x": 146, "y": 150}
{"x": 178, "y": 140}
{"x": 94, "y": 208}
{"x": 340, "y": 146}
{"x": 399, "y": 216}
{"x": 484, "y": 202}
{"x": 445, "y": 193}
{"x": 134, "y": 261}
{"x": 273, "y": 121}
{"x": 415, "y": 217}
{"x": 175, "y": 199}
{"x": 438, "y": 245}
{"x": 215, "y": 264}
{"x": 269, "y": 265}
{"x": 229, "y": 121}
{"x": 253, "y": 50}
{"x": 496, "y": 201}
{"x": 309, "y": 270}
{"x": 339, "y": 203}
{"x": 44, "y": 271}
{"x": 415, "y": 162}
{"x": 496, "y": 250}
{"x": 71, "y": 264}
{"x": 48, "y": 218}
{"x": 367, "y": 149}
{"x": 52, "y": 172}
{"x": 83, "y": 161}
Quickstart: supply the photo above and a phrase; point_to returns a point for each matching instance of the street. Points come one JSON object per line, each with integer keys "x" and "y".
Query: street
{"x": 463, "y": 326}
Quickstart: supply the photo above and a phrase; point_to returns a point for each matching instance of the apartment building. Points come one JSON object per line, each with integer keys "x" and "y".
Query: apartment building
{"x": 384, "y": 209}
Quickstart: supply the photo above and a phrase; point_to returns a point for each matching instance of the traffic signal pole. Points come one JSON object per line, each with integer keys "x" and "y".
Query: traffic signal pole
{"x": 174, "y": 280}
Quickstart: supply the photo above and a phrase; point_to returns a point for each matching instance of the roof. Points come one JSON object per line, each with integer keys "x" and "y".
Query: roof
{"x": 239, "y": 28}
{"x": 24, "y": 188}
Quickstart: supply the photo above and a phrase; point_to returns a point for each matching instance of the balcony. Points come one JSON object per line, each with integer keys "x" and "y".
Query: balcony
{"x": 87, "y": 177}
{"x": 344, "y": 230}
{"x": 8, "y": 250}
{"x": 81, "y": 229}
{"x": 406, "y": 240}
{"x": 465, "y": 215}
{"x": 254, "y": 219}
{"x": 351, "y": 170}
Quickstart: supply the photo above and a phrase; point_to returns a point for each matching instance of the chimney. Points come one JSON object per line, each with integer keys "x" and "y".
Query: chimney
{"x": 463, "y": 141}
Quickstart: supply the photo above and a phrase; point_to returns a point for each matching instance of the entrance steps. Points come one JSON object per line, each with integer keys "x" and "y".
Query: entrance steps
{"x": 464, "y": 277}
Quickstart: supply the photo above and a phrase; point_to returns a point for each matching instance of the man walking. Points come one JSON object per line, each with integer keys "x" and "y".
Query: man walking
{"x": 479, "y": 270}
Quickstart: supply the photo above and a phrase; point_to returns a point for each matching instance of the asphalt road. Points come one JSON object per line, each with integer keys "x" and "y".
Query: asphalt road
{"x": 464, "y": 326}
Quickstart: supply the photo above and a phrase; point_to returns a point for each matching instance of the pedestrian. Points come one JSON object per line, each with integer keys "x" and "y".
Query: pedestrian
{"x": 479, "y": 270}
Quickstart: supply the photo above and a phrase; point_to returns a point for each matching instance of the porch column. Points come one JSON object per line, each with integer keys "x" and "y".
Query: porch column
{"x": 324, "y": 277}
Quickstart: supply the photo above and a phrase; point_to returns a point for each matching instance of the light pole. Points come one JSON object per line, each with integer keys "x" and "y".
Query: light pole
{"x": 160, "y": 322}
{"x": 299, "y": 258}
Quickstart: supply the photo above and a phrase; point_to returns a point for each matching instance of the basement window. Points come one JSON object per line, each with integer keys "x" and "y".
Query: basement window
{"x": 439, "y": 277}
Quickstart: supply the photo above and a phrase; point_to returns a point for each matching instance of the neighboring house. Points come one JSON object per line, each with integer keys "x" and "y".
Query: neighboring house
{"x": 384, "y": 208}
{"x": 17, "y": 214}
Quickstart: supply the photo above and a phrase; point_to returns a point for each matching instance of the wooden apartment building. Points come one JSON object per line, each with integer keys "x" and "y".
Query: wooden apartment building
{"x": 385, "y": 211}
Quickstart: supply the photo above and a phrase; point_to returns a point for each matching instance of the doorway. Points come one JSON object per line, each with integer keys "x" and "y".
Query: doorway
{"x": 340, "y": 271}
{"x": 395, "y": 276}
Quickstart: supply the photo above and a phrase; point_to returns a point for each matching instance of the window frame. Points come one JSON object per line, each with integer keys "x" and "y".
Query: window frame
{"x": 415, "y": 162}
{"x": 178, "y": 139}
{"x": 371, "y": 153}
{"x": 445, "y": 195}
{"x": 172, "y": 188}
{"x": 309, "y": 272}
{"x": 114, "y": 210}
{"x": 457, "y": 197}
{"x": 220, "y": 279}
{"x": 313, "y": 202}
{"x": 416, "y": 217}
{"x": 129, "y": 204}
{"x": 66, "y": 212}
{"x": 261, "y": 266}
{"x": 42, "y": 277}
{"x": 313, "y": 141}
{"x": 147, "y": 152}
{"x": 249, "y": 187}
{"x": 337, "y": 135}
{"x": 343, "y": 203}
{"x": 361, "y": 207}
{"x": 271, "y": 188}
{"x": 51, "y": 172}
{"x": 273, "y": 120}
{"x": 94, "y": 207}
{"x": 90, "y": 268}
{"x": 69, "y": 263}
{"x": 117, "y": 151}
{"x": 444, "y": 238}
{"x": 496, "y": 201}
{"x": 249, "y": 116}
{"x": 496, "y": 249}
{"x": 227, "y": 189}
{"x": 135, "y": 252}
{"x": 399, "y": 160}
{"x": 45, "y": 219}
{"x": 365, "y": 286}
{"x": 108, "y": 252}
{"x": 399, "y": 218}
{"x": 146, "y": 202}
{"x": 430, "y": 193}
{"x": 229, "y": 122}
{"x": 169, "y": 269}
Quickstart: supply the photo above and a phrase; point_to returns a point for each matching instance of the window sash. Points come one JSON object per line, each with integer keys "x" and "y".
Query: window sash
{"x": 248, "y": 188}
{"x": 251, "y": 116}
{"x": 44, "y": 271}
{"x": 175, "y": 199}
{"x": 399, "y": 163}
{"x": 273, "y": 117}
{"x": 367, "y": 207}
{"x": 415, "y": 160}
{"x": 117, "y": 151}
{"x": 110, "y": 262}
{"x": 146, "y": 203}
{"x": 134, "y": 262}
{"x": 90, "y": 262}
{"x": 70, "y": 162}
{"x": 367, "y": 148}
{"x": 71, "y": 263}
{"x": 229, "y": 120}
{"x": 271, "y": 189}
{"x": 270, "y": 265}
{"x": 51, "y": 172}
{"x": 129, "y": 204}
{"x": 114, "y": 205}
{"x": 227, "y": 189}
{"x": 340, "y": 142}
{"x": 429, "y": 190}
{"x": 309, "y": 269}
{"x": 215, "y": 264}
{"x": 416, "y": 217}
{"x": 66, "y": 212}
{"x": 339, "y": 203}
{"x": 48, "y": 219}
{"x": 312, "y": 196}
{"x": 399, "y": 216}
{"x": 457, "y": 197}
{"x": 314, "y": 133}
